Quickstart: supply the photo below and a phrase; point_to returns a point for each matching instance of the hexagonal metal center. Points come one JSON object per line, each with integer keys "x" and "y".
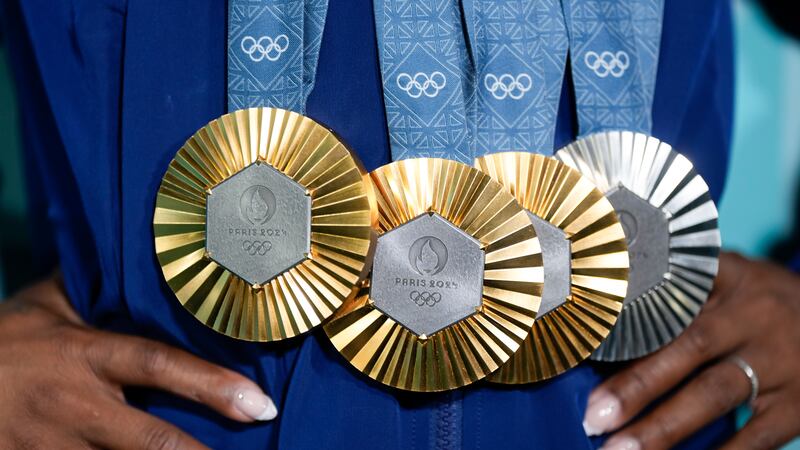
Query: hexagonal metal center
{"x": 557, "y": 259}
{"x": 647, "y": 232}
{"x": 427, "y": 274}
{"x": 258, "y": 223}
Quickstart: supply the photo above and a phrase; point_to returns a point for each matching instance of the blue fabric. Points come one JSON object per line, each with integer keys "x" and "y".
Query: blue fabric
{"x": 111, "y": 90}
{"x": 614, "y": 51}
{"x": 273, "y": 48}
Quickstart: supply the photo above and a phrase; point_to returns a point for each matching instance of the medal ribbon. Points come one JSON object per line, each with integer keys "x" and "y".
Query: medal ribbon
{"x": 458, "y": 92}
{"x": 614, "y": 49}
{"x": 426, "y": 73}
{"x": 520, "y": 50}
{"x": 273, "y": 49}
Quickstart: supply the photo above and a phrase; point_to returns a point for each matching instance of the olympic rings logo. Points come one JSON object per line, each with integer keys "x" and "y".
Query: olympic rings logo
{"x": 265, "y": 47}
{"x": 257, "y": 247}
{"x": 425, "y": 298}
{"x": 607, "y": 63}
{"x": 507, "y": 85}
{"x": 422, "y": 84}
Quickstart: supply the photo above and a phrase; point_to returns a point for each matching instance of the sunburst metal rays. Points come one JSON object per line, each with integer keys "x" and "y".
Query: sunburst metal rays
{"x": 653, "y": 171}
{"x": 475, "y": 346}
{"x": 568, "y": 334}
{"x": 341, "y": 218}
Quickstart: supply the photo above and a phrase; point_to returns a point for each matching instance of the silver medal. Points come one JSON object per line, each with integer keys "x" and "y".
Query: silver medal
{"x": 670, "y": 223}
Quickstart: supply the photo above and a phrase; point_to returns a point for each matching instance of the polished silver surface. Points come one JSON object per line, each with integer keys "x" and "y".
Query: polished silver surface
{"x": 647, "y": 232}
{"x": 751, "y": 375}
{"x": 665, "y": 180}
{"x": 556, "y": 257}
{"x": 258, "y": 223}
{"x": 427, "y": 274}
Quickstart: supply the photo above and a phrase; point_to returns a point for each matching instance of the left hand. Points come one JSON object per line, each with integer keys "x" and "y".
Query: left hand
{"x": 753, "y": 314}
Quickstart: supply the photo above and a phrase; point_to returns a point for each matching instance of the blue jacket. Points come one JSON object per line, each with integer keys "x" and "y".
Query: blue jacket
{"x": 110, "y": 89}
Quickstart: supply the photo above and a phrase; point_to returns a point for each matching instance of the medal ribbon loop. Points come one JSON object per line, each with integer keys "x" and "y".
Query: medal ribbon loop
{"x": 273, "y": 49}
{"x": 614, "y": 48}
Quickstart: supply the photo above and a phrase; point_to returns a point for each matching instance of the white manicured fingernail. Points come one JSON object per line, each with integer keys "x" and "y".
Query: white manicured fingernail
{"x": 255, "y": 405}
{"x": 602, "y": 415}
{"x": 622, "y": 443}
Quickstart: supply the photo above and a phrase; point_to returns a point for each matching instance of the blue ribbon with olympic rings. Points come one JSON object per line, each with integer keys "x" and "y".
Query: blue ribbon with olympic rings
{"x": 273, "y": 49}
{"x": 519, "y": 50}
{"x": 427, "y": 86}
{"x": 458, "y": 92}
{"x": 614, "y": 48}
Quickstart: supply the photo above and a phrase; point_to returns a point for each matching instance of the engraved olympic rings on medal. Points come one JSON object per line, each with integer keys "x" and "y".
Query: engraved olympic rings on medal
{"x": 607, "y": 63}
{"x": 257, "y": 247}
{"x": 422, "y": 84}
{"x": 265, "y": 47}
{"x": 425, "y": 298}
{"x": 507, "y": 85}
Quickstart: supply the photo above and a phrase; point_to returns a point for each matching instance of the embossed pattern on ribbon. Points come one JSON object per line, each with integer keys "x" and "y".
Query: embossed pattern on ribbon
{"x": 273, "y": 48}
{"x": 614, "y": 49}
{"x": 426, "y": 78}
{"x": 520, "y": 50}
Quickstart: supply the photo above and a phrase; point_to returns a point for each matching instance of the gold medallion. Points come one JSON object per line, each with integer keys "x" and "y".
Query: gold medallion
{"x": 263, "y": 224}
{"x": 455, "y": 284}
{"x": 670, "y": 223}
{"x": 585, "y": 263}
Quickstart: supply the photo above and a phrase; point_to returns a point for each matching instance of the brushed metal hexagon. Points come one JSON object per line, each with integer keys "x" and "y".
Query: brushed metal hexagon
{"x": 258, "y": 223}
{"x": 427, "y": 274}
{"x": 557, "y": 260}
{"x": 647, "y": 233}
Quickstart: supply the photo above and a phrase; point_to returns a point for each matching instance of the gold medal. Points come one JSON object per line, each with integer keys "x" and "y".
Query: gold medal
{"x": 263, "y": 224}
{"x": 670, "y": 223}
{"x": 585, "y": 263}
{"x": 455, "y": 283}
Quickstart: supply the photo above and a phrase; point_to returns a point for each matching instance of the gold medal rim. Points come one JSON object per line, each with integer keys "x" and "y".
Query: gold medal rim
{"x": 304, "y": 295}
{"x": 472, "y": 348}
{"x": 568, "y": 334}
{"x": 656, "y": 172}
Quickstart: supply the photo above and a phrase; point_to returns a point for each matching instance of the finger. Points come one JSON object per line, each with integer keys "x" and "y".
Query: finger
{"x": 141, "y": 362}
{"x": 625, "y": 394}
{"x": 42, "y": 437}
{"x": 716, "y": 391}
{"x": 124, "y": 427}
{"x": 731, "y": 273}
{"x": 768, "y": 429}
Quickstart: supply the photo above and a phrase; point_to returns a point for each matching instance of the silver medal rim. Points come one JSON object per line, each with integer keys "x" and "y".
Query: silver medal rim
{"x": 657, "y": 173}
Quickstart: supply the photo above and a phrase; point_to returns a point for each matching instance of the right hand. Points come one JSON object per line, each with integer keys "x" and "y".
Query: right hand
{"x": 62, "y": 381}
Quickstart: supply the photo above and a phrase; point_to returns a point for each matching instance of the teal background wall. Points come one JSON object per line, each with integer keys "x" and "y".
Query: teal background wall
{"x": 757, "y": 206}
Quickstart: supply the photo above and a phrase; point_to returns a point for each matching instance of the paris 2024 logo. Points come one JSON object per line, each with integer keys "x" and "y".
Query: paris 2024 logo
{"x": 427, "y": 256}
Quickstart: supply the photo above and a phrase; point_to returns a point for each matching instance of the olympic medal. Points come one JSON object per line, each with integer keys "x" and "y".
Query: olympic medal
{"x": 585, "y": 263}
{"x": 670, "y": 223}
{"x": 455, "y": 284}
{"x": 263, "y": 224}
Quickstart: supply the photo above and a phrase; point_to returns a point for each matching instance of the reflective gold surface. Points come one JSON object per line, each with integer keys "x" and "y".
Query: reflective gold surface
{"x": 559, "y": 194}
{"x": 667, "y": 180}
{"x": 472, "y": 347}
{"x": 341, "y": 218}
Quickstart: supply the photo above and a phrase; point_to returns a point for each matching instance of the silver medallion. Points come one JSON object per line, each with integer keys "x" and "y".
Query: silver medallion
{"x": 556, "y": 257}
{"x": 670, "y": 223}
{"x": 647, "y": 234}
{"x": 258, "y": 223}
{"x": 427, "y": 274}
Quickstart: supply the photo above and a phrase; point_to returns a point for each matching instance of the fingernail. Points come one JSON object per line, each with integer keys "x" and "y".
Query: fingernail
{"x": 255, "y": 405}
{"x": 621, "y": 443}
{"x": 602, "y": 415}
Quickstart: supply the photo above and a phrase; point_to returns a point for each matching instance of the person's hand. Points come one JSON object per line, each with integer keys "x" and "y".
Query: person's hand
{"x": 753, "y": 314}
{"x": 62, "y": 381}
